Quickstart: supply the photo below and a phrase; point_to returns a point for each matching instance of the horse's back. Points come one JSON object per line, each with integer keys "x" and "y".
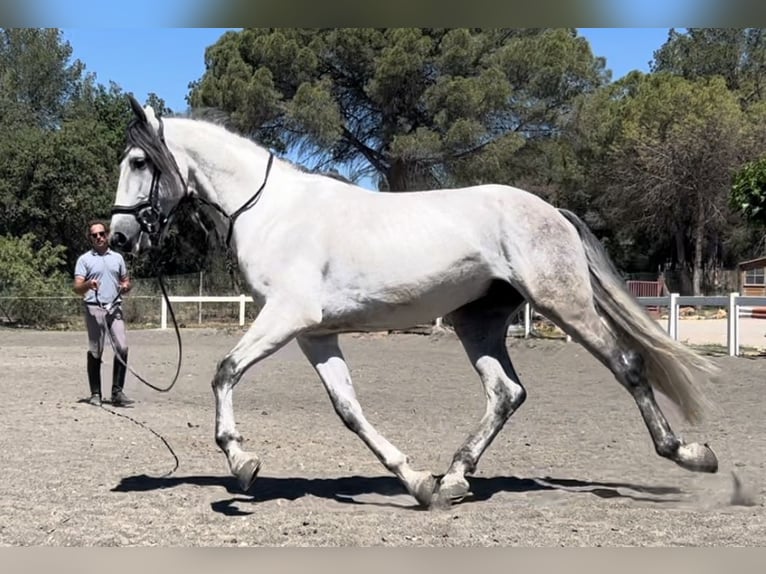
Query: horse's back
{"x": 391, "y": 258}
{"x": 487, "y": 221}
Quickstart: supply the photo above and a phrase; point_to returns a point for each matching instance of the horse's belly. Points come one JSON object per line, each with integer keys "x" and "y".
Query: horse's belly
{"x": 400, "y": 307}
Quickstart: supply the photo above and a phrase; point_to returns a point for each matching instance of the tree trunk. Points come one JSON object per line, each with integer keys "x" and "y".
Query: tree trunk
{"x": 396, "y": 176}
{"x": 699, "y": 246}
{"x": 682, "y": 265}
{"x": 404, "y": 175}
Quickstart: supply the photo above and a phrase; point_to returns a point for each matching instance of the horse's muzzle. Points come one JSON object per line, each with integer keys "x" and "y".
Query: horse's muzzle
{"x": 119, "y": 241}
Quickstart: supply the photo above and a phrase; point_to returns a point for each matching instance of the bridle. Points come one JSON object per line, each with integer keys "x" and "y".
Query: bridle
{"x": 148, "y": 212}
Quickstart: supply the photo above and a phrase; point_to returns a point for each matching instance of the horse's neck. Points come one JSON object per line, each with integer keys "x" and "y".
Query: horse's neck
{"x": 227, "y": 169}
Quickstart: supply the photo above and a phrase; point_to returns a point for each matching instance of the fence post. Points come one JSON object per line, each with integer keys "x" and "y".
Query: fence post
{"x": 199, "y": 304}
{"x": 241, "y": 310}
{"x": 163, "y": 313}
{"x": 673, "y": 317}
{"x": 527, "y": 319}
{"x": 732, "y": 324}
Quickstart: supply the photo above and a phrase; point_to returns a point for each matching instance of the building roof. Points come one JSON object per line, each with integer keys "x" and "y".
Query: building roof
{"x": 752, "y": 263}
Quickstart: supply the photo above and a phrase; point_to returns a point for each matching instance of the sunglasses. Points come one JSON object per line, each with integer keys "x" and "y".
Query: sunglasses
{"x": 98, "y": 234}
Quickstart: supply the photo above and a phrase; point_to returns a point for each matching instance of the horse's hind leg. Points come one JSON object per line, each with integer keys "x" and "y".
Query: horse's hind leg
{"x": 481, "y": 327}
{"x": 579, "y": 318}
{"x": 325, "y": 355}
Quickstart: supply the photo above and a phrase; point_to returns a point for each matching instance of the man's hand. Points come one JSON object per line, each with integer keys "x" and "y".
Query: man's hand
{"x": 82, "y": 285}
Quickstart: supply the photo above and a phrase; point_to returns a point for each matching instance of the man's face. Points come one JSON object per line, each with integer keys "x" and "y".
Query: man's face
{"x": 98, "y": 236}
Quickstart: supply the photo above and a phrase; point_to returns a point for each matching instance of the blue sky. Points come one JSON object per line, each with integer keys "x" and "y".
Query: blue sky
{"x": 625, "y": 49}
{"x": 166, "y": 60}
{"x": 143, "y": 60}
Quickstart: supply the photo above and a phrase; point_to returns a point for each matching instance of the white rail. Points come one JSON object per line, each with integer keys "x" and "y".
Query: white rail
{"x": 735, "y": 304}
{"x": 241, "y": 299}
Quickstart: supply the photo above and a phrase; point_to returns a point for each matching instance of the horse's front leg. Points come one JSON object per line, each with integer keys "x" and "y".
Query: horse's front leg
{"x": 275, "y": 326}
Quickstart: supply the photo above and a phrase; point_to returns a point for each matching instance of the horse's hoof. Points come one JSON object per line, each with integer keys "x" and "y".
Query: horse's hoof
{"x": 451, "y": 491}
{"x": 697, "y": 457}
{"x": 247, "y": 473}
{"x": 424, "y": 488}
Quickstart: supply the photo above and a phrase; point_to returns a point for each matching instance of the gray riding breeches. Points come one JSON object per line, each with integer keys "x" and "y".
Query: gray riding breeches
{"x": 97, "y": 321}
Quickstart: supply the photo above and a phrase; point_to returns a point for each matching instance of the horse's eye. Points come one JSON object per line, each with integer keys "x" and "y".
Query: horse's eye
{"x": 138, "y": 163}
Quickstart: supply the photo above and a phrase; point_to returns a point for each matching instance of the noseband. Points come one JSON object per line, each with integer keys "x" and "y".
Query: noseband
{"x": 148, "y": 212}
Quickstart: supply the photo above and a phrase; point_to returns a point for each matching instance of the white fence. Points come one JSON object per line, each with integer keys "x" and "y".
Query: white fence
{"x": 241, "y": 299}
{"x": 735, "y": 304}
{"x": 732, "y": 303}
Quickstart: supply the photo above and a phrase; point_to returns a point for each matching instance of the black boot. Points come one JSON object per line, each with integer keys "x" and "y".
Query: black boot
{"x": 94, "y": 379}
{"x": 119, "y": 399}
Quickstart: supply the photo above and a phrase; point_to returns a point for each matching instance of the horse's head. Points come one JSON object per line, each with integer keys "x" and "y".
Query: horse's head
{"x": 150, "y": 186}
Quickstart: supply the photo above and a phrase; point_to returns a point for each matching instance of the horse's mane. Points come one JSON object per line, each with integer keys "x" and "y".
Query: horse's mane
{"x": 333, "y": 174}
{"x": 222, "y": 119}
{"x": 142, "y": 135}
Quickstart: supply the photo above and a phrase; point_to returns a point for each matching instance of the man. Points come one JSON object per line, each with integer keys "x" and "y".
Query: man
{"x": 101, "y": 277}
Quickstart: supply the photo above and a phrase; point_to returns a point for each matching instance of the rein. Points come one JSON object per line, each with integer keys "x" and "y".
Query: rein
{"x": 108, "y": 309}
{"x": 250, "y": 202}
{"x": 247, "y": 205}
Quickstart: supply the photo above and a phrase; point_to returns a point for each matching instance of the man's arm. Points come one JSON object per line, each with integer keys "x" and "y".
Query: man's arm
{"x": 125, "y": 284}
{"x": 82, "y": 285}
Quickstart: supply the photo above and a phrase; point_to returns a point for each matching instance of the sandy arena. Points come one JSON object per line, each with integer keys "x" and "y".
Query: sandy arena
{"x": 574, "y": 467}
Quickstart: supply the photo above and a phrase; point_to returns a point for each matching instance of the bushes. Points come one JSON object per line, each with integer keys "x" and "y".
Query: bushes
{"x": 29, "y": 269}
{"x": 748, "y": 192}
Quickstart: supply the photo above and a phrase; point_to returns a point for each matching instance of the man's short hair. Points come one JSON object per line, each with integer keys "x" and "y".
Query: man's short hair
{"x": 93, "y": 222}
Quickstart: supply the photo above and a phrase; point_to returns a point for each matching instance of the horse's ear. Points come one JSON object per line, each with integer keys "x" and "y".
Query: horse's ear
{"x": 151, "y": 117}
{"x": 137, "y": 109}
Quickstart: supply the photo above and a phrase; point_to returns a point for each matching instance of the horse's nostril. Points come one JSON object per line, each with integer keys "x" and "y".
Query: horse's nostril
{"x": 118, "y": 239}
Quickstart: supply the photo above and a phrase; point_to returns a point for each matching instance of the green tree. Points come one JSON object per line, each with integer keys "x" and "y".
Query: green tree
{"x": 668, "y": 147}
{"x": 749, "y": 181}
{"x": 75, "y": 180}
{"x": 411, "y": 107}
{"x": 52, "y": 181}
{"x": 158, "y": 104}
{"x": 37, "y": 78}
{"x": 19, "y": 158}
{"x": 736, "y": 54}
{"x": 61, "y": 139}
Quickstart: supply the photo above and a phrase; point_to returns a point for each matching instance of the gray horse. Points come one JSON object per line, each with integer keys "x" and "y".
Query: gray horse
{"x": 323, "y": 257}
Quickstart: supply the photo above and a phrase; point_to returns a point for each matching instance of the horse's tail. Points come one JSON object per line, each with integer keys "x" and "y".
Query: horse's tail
{"x": 670, "y": 365}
